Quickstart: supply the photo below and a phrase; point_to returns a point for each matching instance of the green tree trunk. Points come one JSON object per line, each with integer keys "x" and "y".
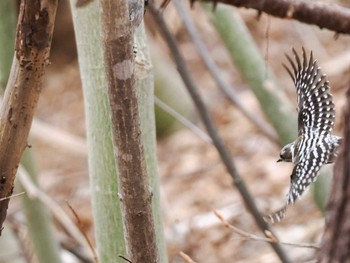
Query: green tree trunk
{"x": 106, "y": 206}
{"x": 108, "y": 225}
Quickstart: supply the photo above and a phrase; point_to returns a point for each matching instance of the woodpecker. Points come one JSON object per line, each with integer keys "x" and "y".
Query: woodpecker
{"x": 315, "y": 145}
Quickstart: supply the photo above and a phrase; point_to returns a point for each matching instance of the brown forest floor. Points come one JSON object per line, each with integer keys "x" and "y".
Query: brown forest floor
{"x": 193, "y": 179}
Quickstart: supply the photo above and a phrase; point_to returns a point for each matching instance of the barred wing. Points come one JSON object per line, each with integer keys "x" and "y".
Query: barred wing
{"x": 311, "y": 159}
{"x": 304, "y": 173}
{"x": 315, "y": 103}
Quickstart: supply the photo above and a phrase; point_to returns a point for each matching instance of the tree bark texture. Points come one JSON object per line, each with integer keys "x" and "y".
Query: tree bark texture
{"x": 145, "y": 95}
{"x": 323, "y": 15}
{"x": 135, "y": 196}
{"x": 336, "y": 240}
{"x": 33, "y": 42}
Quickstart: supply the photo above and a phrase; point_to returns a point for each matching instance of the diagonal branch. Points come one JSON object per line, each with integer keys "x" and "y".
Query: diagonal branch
{"x": 323, "y": 15}
{"x": 33, "y": 42}
{"x": 212, "y": 131}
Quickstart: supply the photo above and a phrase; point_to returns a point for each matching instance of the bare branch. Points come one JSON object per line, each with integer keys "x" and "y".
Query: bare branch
{"x": 33, "y": 42}
{"x": 323, "y": 15}
{"x": 209, "y": 124}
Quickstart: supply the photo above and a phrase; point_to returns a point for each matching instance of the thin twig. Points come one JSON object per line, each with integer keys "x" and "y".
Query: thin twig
{"x": 249, "y": 236}
{"x": 127, "y": 260}
{"x": 195, "y": 129}
{"x": 186, "y": 257}
{"x": 212, "y": 131}
{"x": 80, "y": 226}
{"x": 12, "y": 196}
{"x": 215, "y": 73}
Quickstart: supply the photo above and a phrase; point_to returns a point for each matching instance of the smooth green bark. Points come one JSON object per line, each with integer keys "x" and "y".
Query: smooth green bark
{"x": 106, "y": 206}
{"x": 102, "y": 170}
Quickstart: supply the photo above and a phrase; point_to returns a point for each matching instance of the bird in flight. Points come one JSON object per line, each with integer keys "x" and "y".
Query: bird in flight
{"x": 315, "y": 145}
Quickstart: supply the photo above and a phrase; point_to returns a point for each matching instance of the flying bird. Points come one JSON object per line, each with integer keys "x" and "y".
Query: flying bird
{"x": 315, "y": 144}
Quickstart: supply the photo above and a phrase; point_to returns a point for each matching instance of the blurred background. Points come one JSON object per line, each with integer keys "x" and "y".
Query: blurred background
{"x": 193, "y": 179}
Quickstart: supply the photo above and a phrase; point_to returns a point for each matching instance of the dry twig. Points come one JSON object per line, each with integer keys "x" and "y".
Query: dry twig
{"x": 12, "y": 196}
{"x": 80, "y": 226}
{"x": 270, "y": 237}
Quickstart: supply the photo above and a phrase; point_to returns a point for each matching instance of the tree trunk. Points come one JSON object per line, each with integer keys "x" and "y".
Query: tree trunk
{"x": 107, "y": 215}
{"x": 135, "y": 196}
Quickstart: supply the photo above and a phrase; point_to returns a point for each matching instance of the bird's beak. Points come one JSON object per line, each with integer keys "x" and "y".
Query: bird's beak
{"x": 279, "y": 160}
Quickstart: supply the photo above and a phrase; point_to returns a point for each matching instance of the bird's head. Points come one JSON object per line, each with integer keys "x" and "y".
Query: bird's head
{"x": 286, "y": 154}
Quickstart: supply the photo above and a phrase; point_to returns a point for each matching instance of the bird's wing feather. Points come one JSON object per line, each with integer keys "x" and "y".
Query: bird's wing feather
{"x": 306, "y": 169}
{"x": 315, "y": 103}
{"x": 277, "y": 215}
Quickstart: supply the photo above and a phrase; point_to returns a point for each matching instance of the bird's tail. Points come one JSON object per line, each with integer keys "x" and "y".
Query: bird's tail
{"x": 276, "y": 216}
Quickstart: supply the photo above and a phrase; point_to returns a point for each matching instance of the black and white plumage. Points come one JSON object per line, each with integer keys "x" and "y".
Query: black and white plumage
{"x": 315, "y": 145}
